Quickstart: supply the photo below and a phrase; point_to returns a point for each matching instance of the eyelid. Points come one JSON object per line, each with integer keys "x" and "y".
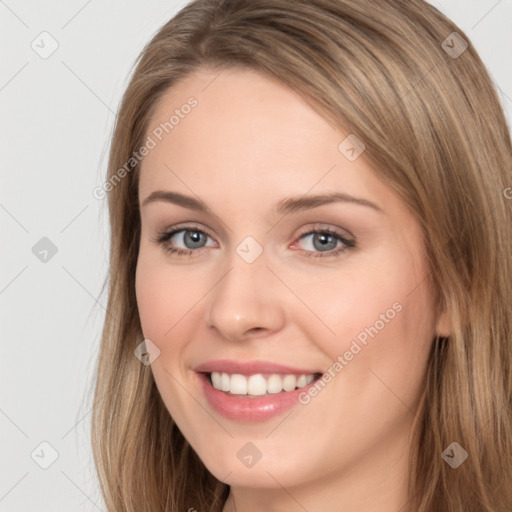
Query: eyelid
{"x": 348, "y": 241}
{"x": 303, "y": 231}
{"x": 162, "y": 236}
{"x": 326, "y": 227}
{"x": 185, "y": 227}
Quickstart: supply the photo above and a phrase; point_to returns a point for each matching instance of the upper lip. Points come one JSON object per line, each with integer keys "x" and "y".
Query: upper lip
{"x": 250, "y": 367}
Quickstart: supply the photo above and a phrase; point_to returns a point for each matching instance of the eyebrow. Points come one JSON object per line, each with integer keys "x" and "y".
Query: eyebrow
{"x": 285, "y": 206}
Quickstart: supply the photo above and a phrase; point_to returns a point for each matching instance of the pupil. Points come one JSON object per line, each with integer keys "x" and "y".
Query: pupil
{"x": 194, "y": 237}
{"x": 324, "y": 240}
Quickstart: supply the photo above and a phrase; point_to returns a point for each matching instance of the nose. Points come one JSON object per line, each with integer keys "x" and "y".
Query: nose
{"x": 246, "y": 302}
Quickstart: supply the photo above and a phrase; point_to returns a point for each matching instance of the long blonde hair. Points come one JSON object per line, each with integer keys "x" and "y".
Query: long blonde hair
{"x": 424, "y": 106}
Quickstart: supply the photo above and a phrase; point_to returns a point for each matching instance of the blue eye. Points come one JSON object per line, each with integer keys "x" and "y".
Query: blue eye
{"x": 327, "y": 239}
{"x": 195, "y": 239}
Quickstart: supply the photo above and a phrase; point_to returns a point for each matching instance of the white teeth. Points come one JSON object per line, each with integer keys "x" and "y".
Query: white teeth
{"x": 302, "y": 381}
{"x": 238, "y": 384}
{"x": 257, "y": 385}
{"x": 289, "y": 382}
{"x": 274, "y": 384}
{"x": 217, "y": 380}
{"x": 225, "y": 380}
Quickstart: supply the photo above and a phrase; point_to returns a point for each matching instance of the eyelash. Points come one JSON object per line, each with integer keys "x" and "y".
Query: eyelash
{"x": 164, "y": 236}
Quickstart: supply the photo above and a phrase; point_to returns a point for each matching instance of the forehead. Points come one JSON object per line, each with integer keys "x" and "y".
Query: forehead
{"x": 242, "y": 109}
{"x": 249, "y": 136}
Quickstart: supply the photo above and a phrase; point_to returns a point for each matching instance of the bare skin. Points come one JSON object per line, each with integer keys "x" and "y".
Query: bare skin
{"x": 249, "y": 143}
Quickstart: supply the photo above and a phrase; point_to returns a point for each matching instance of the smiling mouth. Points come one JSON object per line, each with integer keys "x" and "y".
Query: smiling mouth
{"x": 259, "y": 385}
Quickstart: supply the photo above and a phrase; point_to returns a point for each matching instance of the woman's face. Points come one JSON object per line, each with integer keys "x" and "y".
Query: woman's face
{"x": 263, "y": 299}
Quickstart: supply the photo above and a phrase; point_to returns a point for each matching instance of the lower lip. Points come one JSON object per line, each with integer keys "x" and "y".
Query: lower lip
{"x": 250, "y": 410}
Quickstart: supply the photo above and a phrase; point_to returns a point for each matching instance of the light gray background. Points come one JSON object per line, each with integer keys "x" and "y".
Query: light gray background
{"x": 56, "y": 120}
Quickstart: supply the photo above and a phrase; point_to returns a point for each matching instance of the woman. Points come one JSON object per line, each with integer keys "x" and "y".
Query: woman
{"x": 311, "y": 264}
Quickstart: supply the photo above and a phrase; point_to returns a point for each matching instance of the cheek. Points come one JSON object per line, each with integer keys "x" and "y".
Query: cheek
{"x": 383, "y": 329}
{"x": 166, "y": 296}
{"x": 165, "y": 302}
{"x": 151, "y": 301}
{"x": 379, "y": 298}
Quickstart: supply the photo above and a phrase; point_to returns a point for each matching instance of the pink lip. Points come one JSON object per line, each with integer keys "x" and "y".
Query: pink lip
{"x": 241, "y": 407}
{"x": 250, "y": 368}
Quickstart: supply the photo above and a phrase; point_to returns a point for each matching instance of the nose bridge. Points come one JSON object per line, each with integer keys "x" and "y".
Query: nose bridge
{"x": 241, "y": 300}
